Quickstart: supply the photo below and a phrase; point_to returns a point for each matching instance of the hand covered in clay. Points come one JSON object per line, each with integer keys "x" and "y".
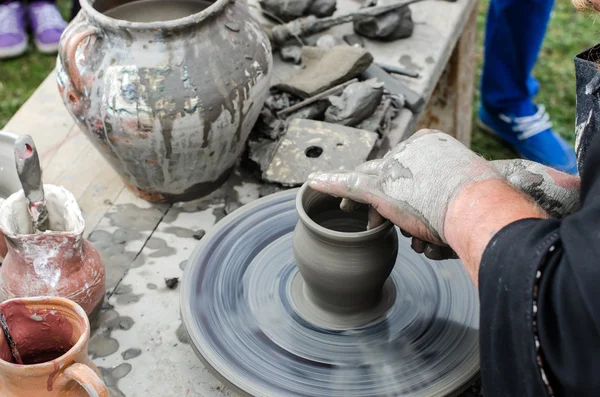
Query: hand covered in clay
{"x": 415, "y": 182}
{"x": 554, "y": 191}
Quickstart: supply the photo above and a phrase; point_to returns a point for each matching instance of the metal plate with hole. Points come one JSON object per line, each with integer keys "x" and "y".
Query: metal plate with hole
{"x": 310, "y": 146}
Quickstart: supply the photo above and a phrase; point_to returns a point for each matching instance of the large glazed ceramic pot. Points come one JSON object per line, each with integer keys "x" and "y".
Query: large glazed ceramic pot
{"x": 169, "y": 104}
{"x": 344, "y": 266}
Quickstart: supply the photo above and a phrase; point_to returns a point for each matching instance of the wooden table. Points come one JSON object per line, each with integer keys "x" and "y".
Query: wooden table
{"x": 140, "y": 345}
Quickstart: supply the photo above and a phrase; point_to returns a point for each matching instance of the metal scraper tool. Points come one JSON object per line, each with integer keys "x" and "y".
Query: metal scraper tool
{"x": 30, "y": 174}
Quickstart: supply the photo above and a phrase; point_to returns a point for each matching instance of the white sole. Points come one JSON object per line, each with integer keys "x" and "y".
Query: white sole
{"x": 46, "y": 48}
{"x": 15, "y": 51}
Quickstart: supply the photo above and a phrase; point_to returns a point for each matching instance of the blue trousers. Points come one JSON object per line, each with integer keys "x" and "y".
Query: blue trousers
{"x": 514, "y": 34}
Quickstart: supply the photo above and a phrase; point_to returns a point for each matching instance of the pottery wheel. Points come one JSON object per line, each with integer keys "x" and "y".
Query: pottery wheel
{"x": 240, "y": 312}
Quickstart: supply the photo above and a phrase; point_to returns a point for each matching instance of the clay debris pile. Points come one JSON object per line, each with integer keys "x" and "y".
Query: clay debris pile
{"x": 332, "y": 113}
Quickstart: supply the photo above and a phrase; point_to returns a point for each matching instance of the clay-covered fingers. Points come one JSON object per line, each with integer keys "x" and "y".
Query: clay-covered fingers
{"x": 432, "y": 251}
{"x": 348, "y": 205}
{"x": 375, "y": 219}
{"x": 358, "y": 187}
{"x": 372, "y": 167}
{"x": 355, "y": 188}
{"x": 556, "y": 192}
{"x": 439, "y": 253}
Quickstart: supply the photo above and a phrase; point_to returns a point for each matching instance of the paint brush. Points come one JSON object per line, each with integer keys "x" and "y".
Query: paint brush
{"x": 30, "y": 174}
{"x": 10, "y": 340}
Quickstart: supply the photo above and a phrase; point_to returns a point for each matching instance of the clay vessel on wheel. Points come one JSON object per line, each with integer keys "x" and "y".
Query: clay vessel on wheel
{"x": 168, "y": 103}
{"x": 343, "y": 265}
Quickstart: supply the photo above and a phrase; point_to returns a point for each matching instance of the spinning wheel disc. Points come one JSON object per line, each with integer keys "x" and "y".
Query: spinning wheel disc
{"x": 237, "y": 307}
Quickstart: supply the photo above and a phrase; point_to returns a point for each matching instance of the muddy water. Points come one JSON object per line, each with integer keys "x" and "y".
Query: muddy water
{"x": 44, "y": 356}
{"x": 156, "y": 10}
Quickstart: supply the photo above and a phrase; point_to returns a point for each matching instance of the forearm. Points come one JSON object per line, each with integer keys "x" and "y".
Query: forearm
{"x": 478, "y": 213}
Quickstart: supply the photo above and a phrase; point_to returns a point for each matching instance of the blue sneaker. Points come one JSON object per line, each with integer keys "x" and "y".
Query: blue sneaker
{"x": 532, "y": 137}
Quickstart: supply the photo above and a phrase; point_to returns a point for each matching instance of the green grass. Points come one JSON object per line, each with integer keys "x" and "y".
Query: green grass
{"x": 569, "y": 33}
{"x": 21, "y": 76}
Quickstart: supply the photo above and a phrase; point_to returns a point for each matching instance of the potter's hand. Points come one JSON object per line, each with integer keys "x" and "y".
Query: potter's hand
{"x": 554, "y": 191}
{"x": 414, "y": 184}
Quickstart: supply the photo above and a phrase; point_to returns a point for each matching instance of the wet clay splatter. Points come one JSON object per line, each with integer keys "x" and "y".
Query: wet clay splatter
{"x": 101, "y": 343}
{"x": 180, "y": 232}
{"x": 113, "y": 252}
{"x": 130, "y": 222}
{"x": 132, "y": 217}
{"x": 160, "y": 247}
{"x": 406, "y": 60}
{"x": 182, "y": 335}
{"x": 131, "y": 353}
{"x": 124, "y": 294}
{"x": 111, "y": 378}
{"x": 222, "y": 201}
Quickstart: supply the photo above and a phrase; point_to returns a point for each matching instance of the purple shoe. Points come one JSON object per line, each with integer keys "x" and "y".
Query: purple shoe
{"x": 13, "y": 38}
{"x": 47, "y": 25}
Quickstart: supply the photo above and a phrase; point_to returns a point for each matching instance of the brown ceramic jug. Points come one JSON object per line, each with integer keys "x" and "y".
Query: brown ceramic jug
{"x": 167, "y": 91}
{"x": 51, "y": 336}
{"x": 58, "y": 262}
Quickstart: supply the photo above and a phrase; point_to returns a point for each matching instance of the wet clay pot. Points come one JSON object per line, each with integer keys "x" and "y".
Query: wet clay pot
{"x": 171, "y": 103}
{"x": 51, "y": 336}
{"x": 344, "y": 265}
{"x": 58, "y": 262}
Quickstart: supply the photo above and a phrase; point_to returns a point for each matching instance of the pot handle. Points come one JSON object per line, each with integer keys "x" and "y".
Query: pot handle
{"x": 75, "y": 33}
{"x": 86, "y": 378}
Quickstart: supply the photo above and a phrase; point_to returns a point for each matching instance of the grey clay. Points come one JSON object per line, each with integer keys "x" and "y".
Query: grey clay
{"x": 344, "y": 266}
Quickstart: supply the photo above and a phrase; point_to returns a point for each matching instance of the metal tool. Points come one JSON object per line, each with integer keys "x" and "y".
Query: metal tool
{"x": 307, "y": 26}
{"x": 398, "y": 70}
{"x": 30, "y": 174}
{"x": 9, "y": 339}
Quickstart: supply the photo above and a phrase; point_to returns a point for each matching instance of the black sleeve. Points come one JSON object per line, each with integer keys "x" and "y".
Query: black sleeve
{"x": 539, "y": 286}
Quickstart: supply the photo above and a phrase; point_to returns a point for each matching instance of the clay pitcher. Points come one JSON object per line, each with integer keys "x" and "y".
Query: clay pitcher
{"x": 344, "y": 265}
{"x": 167, "y": 91}
{"x": 58, "y": 262}
{"x": 51, "y": 336}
